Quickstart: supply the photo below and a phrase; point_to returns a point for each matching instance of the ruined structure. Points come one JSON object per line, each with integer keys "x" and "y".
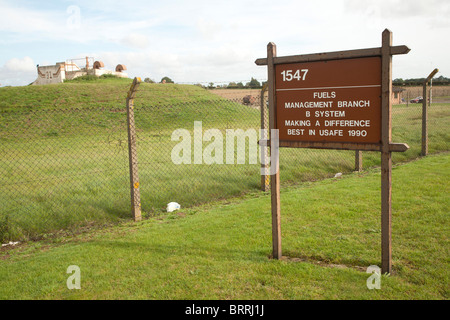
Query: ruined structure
{"x": 70, "y": 70}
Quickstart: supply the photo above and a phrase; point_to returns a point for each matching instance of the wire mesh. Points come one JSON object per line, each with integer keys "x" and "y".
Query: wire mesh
{"x": 210, "y": 169}
{"x": 61, "y": 169}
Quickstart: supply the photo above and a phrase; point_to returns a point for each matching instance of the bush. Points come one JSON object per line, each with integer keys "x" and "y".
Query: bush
{"x": 108, "y": 76}
{"x": 166, "y": 80}
{"x": 85, "y": 78}
{"x": 92, "y": 78}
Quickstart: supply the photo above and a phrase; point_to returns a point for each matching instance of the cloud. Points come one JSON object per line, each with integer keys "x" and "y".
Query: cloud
{"x": 22, "y": 20}
{"x": 209, "y": 29}
{"x": 74, "y": 23}
{"x": 136, "y": 40}
{"x": 204, "y": 41}
{"x": 222, "y": 64}
{"x": 18, "y": 71}
{"x": 401, "y": 9}
{"x": 20, "y": 65}
{"x": 148, "y": 63}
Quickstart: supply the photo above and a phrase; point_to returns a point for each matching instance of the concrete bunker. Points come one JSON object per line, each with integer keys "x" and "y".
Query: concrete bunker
{"x": 70, "y": 69}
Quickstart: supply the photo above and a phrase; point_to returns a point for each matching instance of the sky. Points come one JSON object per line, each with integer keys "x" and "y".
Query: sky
{"x": 201, "y": 41}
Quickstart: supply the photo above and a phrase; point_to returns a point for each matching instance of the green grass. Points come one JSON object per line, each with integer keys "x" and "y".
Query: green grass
{"x": 100, "y": 93}
{"x": 63, "y": 152}
{"x": 330, "y": 230}
{"x": 64, "y": 167}
{"x": 92, "y": 78}
{"x": 407, "y": 128}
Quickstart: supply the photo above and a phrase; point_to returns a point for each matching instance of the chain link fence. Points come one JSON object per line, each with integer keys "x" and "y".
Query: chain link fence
{"x": 62, "y": 169}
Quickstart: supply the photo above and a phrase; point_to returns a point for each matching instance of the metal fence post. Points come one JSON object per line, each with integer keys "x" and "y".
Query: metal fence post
{"x": 425, "y": 113}
{"x": 132, "y": 153}
{"x": 265, "y": 178}
{"x": 358, "y": 161}
{"x": 275, "y": 178}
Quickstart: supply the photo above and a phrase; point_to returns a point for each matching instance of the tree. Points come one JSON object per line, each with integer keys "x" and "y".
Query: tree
{"x": 166, "y": 80}
{"x": 398, "y": 82}
{"x": 254, "y": 84}
{"x": 148, "y": 80}
{"x": 232, "y": 85}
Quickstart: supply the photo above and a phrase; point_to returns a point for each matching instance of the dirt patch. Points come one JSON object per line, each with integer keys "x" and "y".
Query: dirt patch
{"x": 238, "y": 95}
{"x": 322, "y": 263}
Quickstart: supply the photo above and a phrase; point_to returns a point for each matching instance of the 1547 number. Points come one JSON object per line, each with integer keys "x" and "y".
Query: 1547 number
{"x": 289, "y": 75}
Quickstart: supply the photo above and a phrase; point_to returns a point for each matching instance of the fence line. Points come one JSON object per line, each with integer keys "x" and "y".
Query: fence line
{"x": 61, "y": 169}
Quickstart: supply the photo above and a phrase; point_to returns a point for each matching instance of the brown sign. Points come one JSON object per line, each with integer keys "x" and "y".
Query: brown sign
{"x": 334, "y": 100}
{"x": 329, "y": 101}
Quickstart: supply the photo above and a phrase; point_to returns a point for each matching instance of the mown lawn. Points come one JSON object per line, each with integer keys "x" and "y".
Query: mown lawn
{"x": 63, "y": 169}
{"x": 331, "y": 234}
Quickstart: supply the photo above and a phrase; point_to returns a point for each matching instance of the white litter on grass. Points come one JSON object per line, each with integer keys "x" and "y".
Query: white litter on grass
{"x": 10, "y": 244}
{"x": 337, "y": 175}
{"x": 173, "y": 206}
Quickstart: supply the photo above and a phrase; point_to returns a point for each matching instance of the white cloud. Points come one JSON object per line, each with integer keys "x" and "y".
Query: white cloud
{"x": 136, "y": 40}
{"x": 20, "y": 65}
{"x": 21, "y": 20}
{"x": 209, "y": 29}
{"x": 18, "y": 71}
{"x": 202, "y": 40}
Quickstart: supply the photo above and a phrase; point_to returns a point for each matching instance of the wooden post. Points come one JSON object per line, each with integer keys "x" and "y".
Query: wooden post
{"x": 358, "y": 161}
{"x": 373, "y": 55}
{"x": 275, "y": 177}
{"x": 132, "y": 153}
{"x": 386, "y": 160}
{"x": 265, "y": 176}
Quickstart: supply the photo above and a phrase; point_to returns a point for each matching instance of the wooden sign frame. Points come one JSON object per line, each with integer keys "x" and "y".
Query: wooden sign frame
{"x": 385, "y": 146}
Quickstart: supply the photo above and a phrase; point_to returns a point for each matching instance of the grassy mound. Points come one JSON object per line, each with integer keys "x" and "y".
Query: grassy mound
{"x": 110, "y": 92}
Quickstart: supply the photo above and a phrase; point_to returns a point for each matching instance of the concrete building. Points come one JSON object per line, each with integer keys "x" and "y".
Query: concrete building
{"x": 397, "y": 95}
{"x": 70, "y": 70}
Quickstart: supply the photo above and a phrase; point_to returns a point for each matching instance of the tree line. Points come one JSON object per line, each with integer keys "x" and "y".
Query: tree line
{"x": 255, "y": 84}
{"x": 439, "y": 81}
{"x": 252, "y": 84}
{"x": 163, "y": 80}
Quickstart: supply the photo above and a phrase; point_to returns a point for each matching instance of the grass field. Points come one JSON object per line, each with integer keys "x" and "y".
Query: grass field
{"x": 64, "y": 165}
{"x": 105, "y": 93}
{"x": 330, "y": 230}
